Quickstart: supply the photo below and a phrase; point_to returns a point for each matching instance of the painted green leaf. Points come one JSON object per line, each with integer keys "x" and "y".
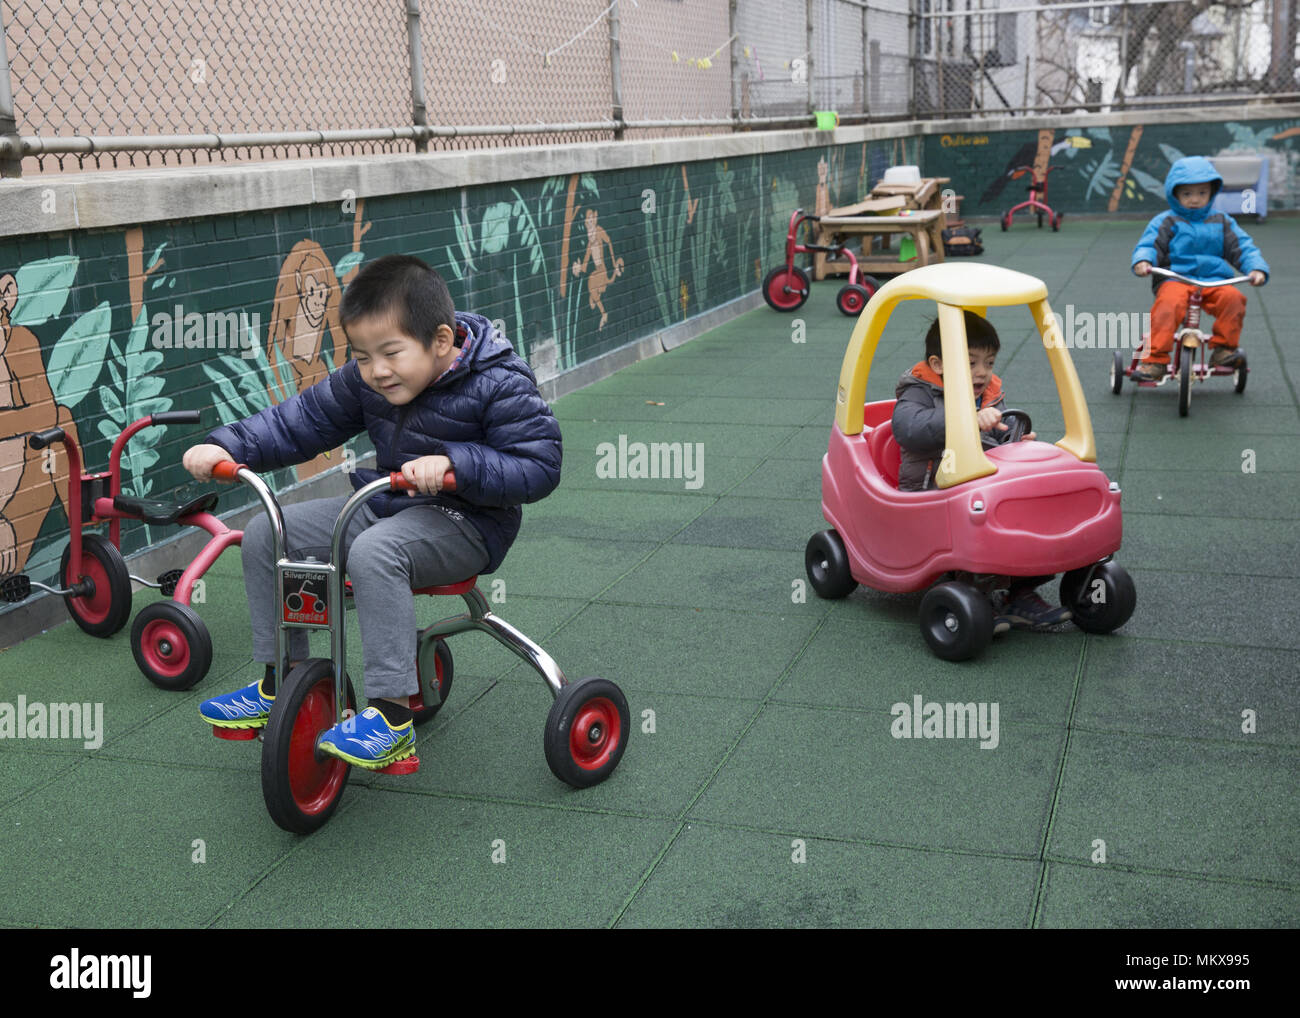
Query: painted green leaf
{"x": 286, "y": 387}
{"x": 157, "y": 253}
{"x": 116, "y": 375}
{"x": 158, "y": 405}
{"x": 77, "y": 358}
{"x": 146, "y": 386}
{"x": 230, "y": 405}
{"x": 108, "y": 429}
{"x": 112, "y": 405}
{"x": 145, "y": 459}
{"x": 348, "y": 262}
{"x": 1170, "y": 153}
{"x": 149, "y": 360}
{"x": 495, "y": 231}
{"x": 43, "y": 288}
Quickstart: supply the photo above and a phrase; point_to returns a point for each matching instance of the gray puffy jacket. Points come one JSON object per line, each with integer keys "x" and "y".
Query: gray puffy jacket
{"x": 920, "y": 431}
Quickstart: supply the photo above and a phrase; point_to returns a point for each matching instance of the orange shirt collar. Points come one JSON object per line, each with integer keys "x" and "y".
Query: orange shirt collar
{"x": 992, "y": 392}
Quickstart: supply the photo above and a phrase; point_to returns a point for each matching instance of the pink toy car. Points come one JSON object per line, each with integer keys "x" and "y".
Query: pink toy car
{"x": 1021, "y": 509}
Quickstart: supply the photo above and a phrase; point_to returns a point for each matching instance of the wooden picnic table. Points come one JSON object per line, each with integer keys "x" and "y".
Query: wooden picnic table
{"x": 926, "y": 228}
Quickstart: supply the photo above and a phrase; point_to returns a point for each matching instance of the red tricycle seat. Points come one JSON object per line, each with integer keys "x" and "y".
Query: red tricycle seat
{"x": 463, "y": 587}
{"x": 885, "y": 452}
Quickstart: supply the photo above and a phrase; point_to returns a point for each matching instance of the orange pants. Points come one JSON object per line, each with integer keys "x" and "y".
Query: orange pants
{"x": 1226, "y": 303}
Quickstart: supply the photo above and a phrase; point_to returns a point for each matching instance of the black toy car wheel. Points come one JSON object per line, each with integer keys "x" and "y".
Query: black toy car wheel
{"x": 956, "y": 621}
{"x": 827, "y": 564}
{"x": 1239, "y": 374}
{"x": 1185, "y": 382}
{"x": 1100, "y": 602}
{"x": 1117, "y": 374}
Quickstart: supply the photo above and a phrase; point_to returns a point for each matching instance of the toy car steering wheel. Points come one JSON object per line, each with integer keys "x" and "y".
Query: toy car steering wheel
{"x": 1018, "y": 424}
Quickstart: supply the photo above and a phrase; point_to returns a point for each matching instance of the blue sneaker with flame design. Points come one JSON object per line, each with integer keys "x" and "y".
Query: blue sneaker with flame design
{"x": 244, "y": 708}
{"x": 368, "y": 740}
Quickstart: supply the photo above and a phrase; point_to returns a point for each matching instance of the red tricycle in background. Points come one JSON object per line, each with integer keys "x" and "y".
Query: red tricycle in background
{"x": 170, "y": 643}
{"x": 787, "y": 286}
{"x": 1023, "y": 509}
{"x": 1037, "y": 201}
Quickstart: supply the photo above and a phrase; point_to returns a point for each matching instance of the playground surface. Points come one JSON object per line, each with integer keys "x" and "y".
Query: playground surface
{"x": 1142, "y": 779}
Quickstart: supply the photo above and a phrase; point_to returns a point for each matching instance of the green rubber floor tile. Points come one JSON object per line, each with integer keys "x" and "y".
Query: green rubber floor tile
{"x": 1210, "y": 544}
{"x": 1103, "y": 897}
{"x": 24, "y": 772}
{"x": 1194, "y": 494}
{"x": 1214, "y": 453}
{"x": 733, "y": 522}
{"x": 584, "y": 406}
{"x": 840, "y": 774}
{"x": 112, "y": 843}
{"x": 735, "y": 440}
{"x": 808, "y": 444}
{"x": 741, "y": 410}
{"x": 643, "y": 382}
{"x": 433, "y": 867}
{"x": 1182, "y": 806}
{"x": 1190, "y": 690}
{"x": 611, "y": 515}
{"x": 566, "y": 566}
{"x": 680, "y": 650}
{"x": 719, "y": 877}
{"x": 1228, "y": 416}
{"x": 703, "y": 577}
{"x": 494, "y": 750}
{"x": 866, "y": 665}
{"x": 762, "y": 387}
{"x": 709, "y": 475}
{"x": 785, "y": 479}
{"x": 1208, "y": 608}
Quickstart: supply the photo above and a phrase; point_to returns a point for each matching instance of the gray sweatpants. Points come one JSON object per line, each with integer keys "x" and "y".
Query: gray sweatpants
{"x": 386, "y": 557}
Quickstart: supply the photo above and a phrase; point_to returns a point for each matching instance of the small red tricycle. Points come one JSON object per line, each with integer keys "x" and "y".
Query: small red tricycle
{"x": 1037, "y": 201}
{"x": 787, "y": 286}
{"x": 586, "y": 731}
{"x": 170, "y": 643}
{"x": 1187, "y": 340}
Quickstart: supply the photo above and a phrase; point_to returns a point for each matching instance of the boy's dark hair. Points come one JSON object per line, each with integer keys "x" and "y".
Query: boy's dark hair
{"x": 404, "y": 288}
{"x": 980, "y": 335}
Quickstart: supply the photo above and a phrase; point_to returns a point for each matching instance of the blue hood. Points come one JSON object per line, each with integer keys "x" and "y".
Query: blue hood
{"x": 1192, "y": 170}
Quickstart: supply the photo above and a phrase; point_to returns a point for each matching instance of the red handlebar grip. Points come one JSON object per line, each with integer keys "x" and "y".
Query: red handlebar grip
{"x": 399, "y": 483}
{"x": 226, "y": 470}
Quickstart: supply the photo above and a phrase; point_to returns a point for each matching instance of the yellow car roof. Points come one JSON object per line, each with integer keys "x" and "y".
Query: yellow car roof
{"x": 957, "y": 288}
{"x": 966, "y": 285}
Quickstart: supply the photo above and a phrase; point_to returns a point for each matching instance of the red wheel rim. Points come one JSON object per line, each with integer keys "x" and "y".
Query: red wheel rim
{"x": 776, "y": 290}
{"x": 853, "y": 302}
{"x": 595, "y": 734}
{"x": 92, "y": 609}
{"x": 156, "y": 639}
{"x": 314, "y": 783}
{"x": 436, "y": 682}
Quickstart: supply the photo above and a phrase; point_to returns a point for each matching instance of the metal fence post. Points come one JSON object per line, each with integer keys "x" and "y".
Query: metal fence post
{"x": 615, "y": 72}
{"x": 419, "y": 111}
{"x": 913, "y": 56}
{"x": 735, "y": 42}
{"x": 1123, "y": 55}
{"x": 866, "y": 68}
{"x": 10, "y": 165}
{"x": 809, "y": 64}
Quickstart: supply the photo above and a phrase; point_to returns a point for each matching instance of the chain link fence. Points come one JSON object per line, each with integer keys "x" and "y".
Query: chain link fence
{"x": 93, "y": 84}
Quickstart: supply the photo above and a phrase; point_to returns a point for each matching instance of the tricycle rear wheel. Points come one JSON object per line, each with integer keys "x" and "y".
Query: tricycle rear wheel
{"x": 434, "y": 661}
{"x": 956, "y": 621}
{"x": 302, "y": 788}
{"x": 1117, "y": 374}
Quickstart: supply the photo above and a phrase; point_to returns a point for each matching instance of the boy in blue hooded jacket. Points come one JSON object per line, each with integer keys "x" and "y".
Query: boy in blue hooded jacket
{"x": 1192, "y": 240}
{"x": 436, "y": 390}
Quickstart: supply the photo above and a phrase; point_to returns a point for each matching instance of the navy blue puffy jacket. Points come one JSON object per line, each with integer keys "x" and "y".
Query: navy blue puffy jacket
{"x": 486, "y": 416}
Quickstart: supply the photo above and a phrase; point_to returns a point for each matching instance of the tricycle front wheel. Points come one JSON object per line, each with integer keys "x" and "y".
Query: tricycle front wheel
{"x": 302, "y": 787}
{"x": 785, "y": 289}
{"x": 105, "y": 611}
